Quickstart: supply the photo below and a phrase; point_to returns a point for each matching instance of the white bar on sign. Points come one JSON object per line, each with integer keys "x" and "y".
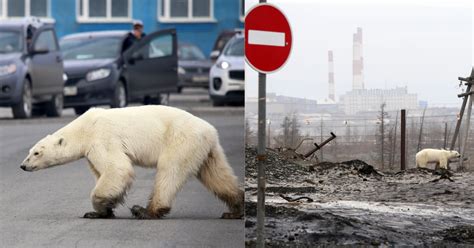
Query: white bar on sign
{"x": 266, "y": 38}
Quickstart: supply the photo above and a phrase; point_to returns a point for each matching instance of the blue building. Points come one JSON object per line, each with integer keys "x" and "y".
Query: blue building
{"x": 196, "y": 21}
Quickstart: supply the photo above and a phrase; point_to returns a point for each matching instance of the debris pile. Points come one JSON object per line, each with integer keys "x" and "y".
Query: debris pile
{"x": 351, "y": 203}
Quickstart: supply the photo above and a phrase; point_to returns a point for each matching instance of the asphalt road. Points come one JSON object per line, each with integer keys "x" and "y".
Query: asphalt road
{"x": 45, "y": 208}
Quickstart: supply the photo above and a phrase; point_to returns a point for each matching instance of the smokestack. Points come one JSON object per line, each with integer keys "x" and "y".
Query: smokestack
{"x": 332, "y": 93}
{"x": 357, "y": 62}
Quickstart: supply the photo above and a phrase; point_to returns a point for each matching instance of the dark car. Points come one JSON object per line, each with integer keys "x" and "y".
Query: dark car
{"x": 31, "y": 69}
{"x": 193, "y": 67}
{"x": 99, "y": 74}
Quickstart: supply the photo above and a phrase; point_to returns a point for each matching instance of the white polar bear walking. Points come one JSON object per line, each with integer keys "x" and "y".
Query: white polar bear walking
{"x": 175, "y": 142}
{"x": 441, "y": 157}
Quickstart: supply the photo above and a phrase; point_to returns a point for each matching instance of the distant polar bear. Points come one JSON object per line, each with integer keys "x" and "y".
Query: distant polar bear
{"x": 441, "y": 157}
{"x": 175, "y": 142}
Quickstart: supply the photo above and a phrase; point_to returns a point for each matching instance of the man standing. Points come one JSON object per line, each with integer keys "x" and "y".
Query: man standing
{"x": 134, "y": 36}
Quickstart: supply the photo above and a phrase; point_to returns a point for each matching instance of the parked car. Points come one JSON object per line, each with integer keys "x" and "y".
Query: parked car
{"x": 99, "y": 74}
{"x": 31, "y": 68}
{"x": 221, "y": 41}
{"x": 227, "y": 76}
{"x": 193, "y": 67}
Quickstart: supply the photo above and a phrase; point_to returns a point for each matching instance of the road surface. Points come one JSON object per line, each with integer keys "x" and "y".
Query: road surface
{"x": 45, "y": 208}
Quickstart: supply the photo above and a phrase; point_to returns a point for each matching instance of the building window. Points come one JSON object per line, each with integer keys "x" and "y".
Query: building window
{"x": 242, "y": 10}
{"x": 186, "y": 11}
{"x": 104, "y": 10}
{"x": 23, "y": 8}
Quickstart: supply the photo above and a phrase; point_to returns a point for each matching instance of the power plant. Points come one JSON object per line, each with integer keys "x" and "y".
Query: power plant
{"x": 332, "y": 88}
{"x": 357, "y": 61}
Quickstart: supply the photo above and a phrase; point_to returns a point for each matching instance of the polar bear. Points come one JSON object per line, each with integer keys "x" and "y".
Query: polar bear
{"x": 441, "y": 157}
{"x": 174, "y": 141}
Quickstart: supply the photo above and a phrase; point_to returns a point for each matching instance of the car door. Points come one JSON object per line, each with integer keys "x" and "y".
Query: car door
{"x": 46, "y": 65}
{"x": 152, "y": 64}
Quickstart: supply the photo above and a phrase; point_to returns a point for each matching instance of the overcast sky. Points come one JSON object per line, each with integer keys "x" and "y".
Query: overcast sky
{"x": 422, "y": 44}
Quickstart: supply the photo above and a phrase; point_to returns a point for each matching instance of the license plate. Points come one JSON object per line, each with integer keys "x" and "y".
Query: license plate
{"x": 200, "y": 79}
{"x": 70, "y": 91}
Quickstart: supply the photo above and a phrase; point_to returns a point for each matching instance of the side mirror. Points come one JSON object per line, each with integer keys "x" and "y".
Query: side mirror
{"x": 135, "y": 57}
{"x": 40, "y": 49}
{"x": 214, "y": 55}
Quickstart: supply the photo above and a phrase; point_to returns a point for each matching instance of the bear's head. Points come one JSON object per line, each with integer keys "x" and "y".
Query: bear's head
{"x": 454, "y": 154}
{"x": 48, "y": 152}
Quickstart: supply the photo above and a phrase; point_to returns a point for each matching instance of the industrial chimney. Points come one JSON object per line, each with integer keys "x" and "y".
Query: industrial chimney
{"x": 357, "y": 62}
{"x": 332, "y": 93}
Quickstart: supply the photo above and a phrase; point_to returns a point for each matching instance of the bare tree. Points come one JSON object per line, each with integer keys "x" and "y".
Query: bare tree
{"x": 294, "y": 131}
{"x": 383, "y": 116}
{"x": 421, "y": 130}
{"x": 285, "y": 125}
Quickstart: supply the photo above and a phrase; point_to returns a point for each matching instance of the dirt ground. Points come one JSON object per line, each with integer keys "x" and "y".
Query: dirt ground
{"x": 352, "y": 204}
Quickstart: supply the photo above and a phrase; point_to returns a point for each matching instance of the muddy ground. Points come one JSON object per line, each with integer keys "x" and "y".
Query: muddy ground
{"x": 351, "y": 204}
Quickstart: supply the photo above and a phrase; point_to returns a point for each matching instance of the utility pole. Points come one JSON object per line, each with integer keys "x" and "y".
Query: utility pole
{"x": 469, "y": 81}
{"x": 402, "y": 140}
{"x": 465, "y": 95}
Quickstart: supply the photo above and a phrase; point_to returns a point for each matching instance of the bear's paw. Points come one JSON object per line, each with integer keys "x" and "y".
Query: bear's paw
{"x": 96, "y": 215}
{"x": 232, "y": 216}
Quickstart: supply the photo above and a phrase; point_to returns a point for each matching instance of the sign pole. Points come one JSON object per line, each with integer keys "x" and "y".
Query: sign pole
{"x": 261, "y": 158}
{"x": 268, "y": 43}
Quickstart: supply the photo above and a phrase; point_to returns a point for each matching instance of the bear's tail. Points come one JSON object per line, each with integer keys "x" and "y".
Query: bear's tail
{"x": 217, "y": 175}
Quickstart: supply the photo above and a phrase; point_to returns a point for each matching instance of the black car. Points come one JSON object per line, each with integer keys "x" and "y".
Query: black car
{"x": 31, "y": 69}
{"x": 99, "y": 74}
{"x": 193, "y": 67}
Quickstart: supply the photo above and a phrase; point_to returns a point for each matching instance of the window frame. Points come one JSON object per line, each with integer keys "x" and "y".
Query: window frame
{"x": 46, "y": 19}
{"x": 166, "y": 18}
{"x": 55, "y": 38}
{"x": 85, "y": 18}
{"x": 242, "y": 10}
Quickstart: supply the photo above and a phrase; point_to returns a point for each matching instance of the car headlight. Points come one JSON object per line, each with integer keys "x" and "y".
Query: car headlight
{"x": 98, "y": 74}
{"x": 181, "y": 70}
{"x": 7, "y": 69}
{"x": 223, "y": 65}
{"x": 65, "y": 77}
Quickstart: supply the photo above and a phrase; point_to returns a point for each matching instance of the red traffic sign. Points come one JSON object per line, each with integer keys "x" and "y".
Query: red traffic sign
{"x": 267, "y": 38}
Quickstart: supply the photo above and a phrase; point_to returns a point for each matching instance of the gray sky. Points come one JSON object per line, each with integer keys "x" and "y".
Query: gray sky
{"x": 422, "y": 44}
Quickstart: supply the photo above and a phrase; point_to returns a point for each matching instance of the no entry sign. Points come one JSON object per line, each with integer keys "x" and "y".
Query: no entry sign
{"x": 268, "y": 38}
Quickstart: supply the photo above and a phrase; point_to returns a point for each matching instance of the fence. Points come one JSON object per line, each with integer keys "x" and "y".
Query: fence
{"x": 360, "y": 137}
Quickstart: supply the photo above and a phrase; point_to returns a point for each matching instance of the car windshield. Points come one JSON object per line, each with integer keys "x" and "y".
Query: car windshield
{"x": 190, "y": 52}
{"x": 10, "y": 41}
{"x": 235, "y": 47}
{"x": 91, "y": 48}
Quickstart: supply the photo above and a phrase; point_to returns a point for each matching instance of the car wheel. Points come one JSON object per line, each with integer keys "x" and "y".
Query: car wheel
{"x": 120, "y": 96}
{"x": 163, "y": 99}
{"x": 23, "y": 109}
{"x": 54, "y": 108}
{"x": 81, "y": 110}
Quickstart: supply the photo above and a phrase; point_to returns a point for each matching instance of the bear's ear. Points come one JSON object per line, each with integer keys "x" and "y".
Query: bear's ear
{"x": 61, "y": 141}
